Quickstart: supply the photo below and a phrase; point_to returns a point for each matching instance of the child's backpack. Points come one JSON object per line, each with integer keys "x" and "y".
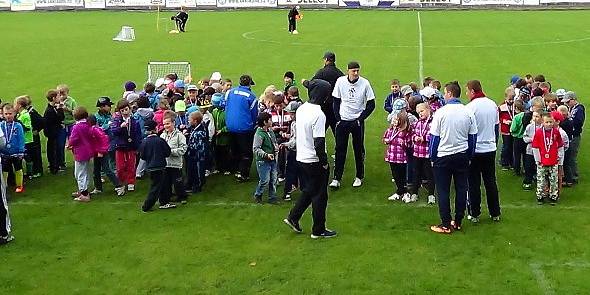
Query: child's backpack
{"x": 142, "y": 119}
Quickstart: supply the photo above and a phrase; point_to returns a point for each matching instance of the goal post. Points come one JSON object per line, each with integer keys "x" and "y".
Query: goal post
{"x": 159, "y": 69}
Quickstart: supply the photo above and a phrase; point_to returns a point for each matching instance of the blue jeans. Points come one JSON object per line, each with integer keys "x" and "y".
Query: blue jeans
{"x": 61, "y": 147}
{"x": 267, "y": 172}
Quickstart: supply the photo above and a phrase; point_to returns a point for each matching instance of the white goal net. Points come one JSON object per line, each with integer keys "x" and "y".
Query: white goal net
{"x": 126, "y": 34}
{"x": 159, "y": 69}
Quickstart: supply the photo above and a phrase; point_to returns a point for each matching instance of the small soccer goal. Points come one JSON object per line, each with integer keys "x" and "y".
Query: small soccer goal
{"x": 126, "y": 34}
{"x": 159, "y": 69}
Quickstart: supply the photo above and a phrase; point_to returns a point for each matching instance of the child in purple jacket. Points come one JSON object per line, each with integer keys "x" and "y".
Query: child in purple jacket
{"x": 82, "y": 145}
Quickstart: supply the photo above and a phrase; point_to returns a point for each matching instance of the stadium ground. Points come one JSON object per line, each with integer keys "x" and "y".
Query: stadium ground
{"x": 220, "y": 242}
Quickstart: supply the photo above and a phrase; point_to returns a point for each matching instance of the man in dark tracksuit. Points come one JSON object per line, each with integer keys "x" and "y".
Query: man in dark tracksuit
{"x": 354, "y": 101}
{"x": 293, "y": 13}
{"x": 329, "y": 73}
{"x": 5, "y": 236}
{"x": 181, "y": 18}
{"x": 313, "y": 161}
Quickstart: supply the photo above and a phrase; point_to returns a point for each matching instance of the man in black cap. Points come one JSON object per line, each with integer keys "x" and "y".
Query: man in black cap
{"x": 313, "y": 161}
{"x": 354, "y": 101}
{"x": 329, "y": 73}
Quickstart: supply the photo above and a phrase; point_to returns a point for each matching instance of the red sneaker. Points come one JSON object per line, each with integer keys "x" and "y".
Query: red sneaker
{"x": 19, "y": 189}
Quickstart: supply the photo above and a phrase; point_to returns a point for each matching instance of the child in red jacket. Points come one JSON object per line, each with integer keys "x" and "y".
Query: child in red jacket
{"x": 548, "y": 151}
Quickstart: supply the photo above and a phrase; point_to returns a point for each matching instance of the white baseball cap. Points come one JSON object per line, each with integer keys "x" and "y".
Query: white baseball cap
{"x": 216, "y": 76}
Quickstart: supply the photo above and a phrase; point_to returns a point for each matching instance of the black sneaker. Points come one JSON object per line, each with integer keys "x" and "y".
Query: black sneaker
{"x": 540, "y": 202}
{"x": 553, "y": 202}
{"x": 6, "y": 240}
{"x": 293, "y": 225}
{"x": 258, "y": 199}
{"x": 326, "y": 234}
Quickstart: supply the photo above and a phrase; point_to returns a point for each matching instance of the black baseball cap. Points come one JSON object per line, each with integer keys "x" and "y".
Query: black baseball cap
{"x": 150, "y": 125}
{"x": 330, "y": 56}
{"x": 246, "y": 80}
{"x": 103, "y": 101}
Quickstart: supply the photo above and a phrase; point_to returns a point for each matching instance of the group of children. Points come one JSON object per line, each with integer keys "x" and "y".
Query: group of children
{"x": 536, "y": 125}
{"x": 408, "y": 137}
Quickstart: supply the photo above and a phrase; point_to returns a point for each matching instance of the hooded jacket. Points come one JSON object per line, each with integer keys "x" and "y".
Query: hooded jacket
{"x": 319, "y": 91}
{"x": 178, "y": 147}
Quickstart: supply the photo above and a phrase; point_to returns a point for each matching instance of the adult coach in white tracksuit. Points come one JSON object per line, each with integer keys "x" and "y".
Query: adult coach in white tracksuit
{"x": 453, "y": 135}
{"x": 354, "y": 101}
{"x": 483, "y": 163}
{"x": 5, "y": 236}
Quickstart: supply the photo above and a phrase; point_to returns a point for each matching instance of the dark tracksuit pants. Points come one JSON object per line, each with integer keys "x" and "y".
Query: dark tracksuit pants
{"x": 530, "y": 169}
{"x": 422, "y": 171}
{"x": 242, "y": 150}
{"x": 222, "y": 161}
{"x": 101, "y": 164}
{"x": 519, "y": 150}
{"x": 483, "y": 165}
{"x": 181, "y": 24}
{"x": 398, "y": 172}
{"x": 292, "y": 24}
{"x": 507, "y": 154}
{"x": 314, "y": 191}
{"x": 291, "y": 171}
{"x": 174, "y": 179}
{"x": 36, "y": 155}
{"x": 455, "y": 167}
{"x": 4, "y": 215}
{"x": 195, "y": 170}
{"x": 343, "y": 130}
{"x": 156, "y": 190}
{"x": 52, "y": 154}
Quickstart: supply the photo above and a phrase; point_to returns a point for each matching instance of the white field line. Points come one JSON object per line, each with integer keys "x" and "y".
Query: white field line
{"x": 249, "y": 36}
{"x": 420, "y": 51}
{"x": 542, "y": 281}
{"x": 252, "y": 204}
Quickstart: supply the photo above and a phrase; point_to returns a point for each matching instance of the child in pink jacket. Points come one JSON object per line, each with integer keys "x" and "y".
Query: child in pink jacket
{"x": 82, "y": 145}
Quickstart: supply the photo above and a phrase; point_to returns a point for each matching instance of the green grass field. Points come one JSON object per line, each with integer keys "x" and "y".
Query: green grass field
{"x": 222, "y": 243}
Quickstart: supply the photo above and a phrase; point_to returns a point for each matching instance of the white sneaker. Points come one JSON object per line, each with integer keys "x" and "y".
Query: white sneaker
{"x": 393, "y": 180}
{"x": 394, "y": 197}
{"x": 357, "y": 182}
{"x": 431, "y": 200}
{"x": 413, "y": 198}
{"x": 120, "y": 191}
{"x": 131, "y": 187}
{"x": 281, "y": 179}
{"x": 406, "y": 198}
{"x": 335, "y": 184}
{"x": 295, "y": 32}
{"x": 207, "y": 173}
